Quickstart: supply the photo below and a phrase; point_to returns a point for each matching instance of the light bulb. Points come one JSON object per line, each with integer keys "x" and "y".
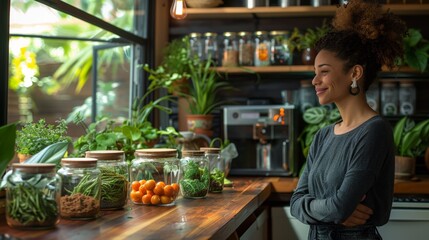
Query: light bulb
{"x": 178, "y": 9}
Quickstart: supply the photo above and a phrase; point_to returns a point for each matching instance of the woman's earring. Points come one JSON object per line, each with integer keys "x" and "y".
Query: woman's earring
{"x": 354, "y": 88}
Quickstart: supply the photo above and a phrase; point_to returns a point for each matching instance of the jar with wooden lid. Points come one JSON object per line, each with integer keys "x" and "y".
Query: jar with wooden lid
{"x": 230, "y": 50}
{"x": 154, "y": 177}
{"x": 210, "y": 47}
{"x": 262, "y": 49}
{"x": 217, "y": 168}
{"x": 114, "y": 177}
{"x": 195, "y": 171}
{"x": 81, "y": 189}
{"x": 246, "y": 49}
{"x": 32, "y": 196}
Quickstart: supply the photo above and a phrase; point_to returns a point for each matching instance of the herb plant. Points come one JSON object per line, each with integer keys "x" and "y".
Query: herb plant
{"x": 411, "y": 139}
{"x": 195, "y": 182}
{"x": 216, "y": 180}
{"x": 113, "y": 188}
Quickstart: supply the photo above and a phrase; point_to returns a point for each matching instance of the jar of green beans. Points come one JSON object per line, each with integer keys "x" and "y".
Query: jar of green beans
{"x": 32, "y": 196}
{"x": 81, "y": 188}
{"x": 114, "y": 177}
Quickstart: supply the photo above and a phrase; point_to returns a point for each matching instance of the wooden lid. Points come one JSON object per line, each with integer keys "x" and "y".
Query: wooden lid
{"x": 192, "y": 153}
{"x": 156, "y": 152}
{"x": 79, "y": 162}
{"x": 105, "y": 154}
{"x": 34, "y": 167}
{"x": 210, "y": 149}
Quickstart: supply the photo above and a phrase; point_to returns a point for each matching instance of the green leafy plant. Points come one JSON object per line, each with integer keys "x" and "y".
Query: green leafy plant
{"x": 7, "y": 141}
{"x": 195, "y": 182}
{"x": 416, "y": 50}
{"x": 205, "y": 86}
{"x": 35, "y": 136}
{"x": 411, "y": 139}
{"x": 311, "y": 36}
{"x": 315, "y": 119}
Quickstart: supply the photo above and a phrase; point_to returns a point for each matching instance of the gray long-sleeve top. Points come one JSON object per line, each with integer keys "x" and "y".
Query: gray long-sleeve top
{"x": 341, "y": 169}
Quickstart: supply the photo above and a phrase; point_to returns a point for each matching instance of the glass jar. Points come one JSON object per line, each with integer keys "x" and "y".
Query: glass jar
{"x": 194, "y": 168}
{"x": 389, "y": 99}
{"x": 154, "y": 177}
{"x": 81, "y": 190}
{"x": 407, "y": 98}
{"x": 217, "y": 169}
{"x": 32, "y": 196}
{"x": 280, "y": 52}
{"x": 196, "y": 45}
{"x": 210, "y": 46}
{"x": 114, "y": 177}
{"x": 246, "y": 49}
{"x": 230, "y": 50}
{"x": 262, "y": 49}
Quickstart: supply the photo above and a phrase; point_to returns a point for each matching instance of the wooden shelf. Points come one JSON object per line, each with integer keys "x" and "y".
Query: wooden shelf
{"x": 291, "y": 69}
{"x": 293, "y": 11}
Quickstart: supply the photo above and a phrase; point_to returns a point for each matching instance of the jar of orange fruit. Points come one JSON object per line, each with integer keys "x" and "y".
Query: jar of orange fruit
{"x": 154, "y": 176}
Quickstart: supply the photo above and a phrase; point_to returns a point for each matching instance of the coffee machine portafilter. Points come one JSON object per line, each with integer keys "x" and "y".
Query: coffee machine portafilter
{"x": 264, "y": 136}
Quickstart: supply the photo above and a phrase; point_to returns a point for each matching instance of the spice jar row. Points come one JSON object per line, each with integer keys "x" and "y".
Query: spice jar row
{"x": 260, "y": 48}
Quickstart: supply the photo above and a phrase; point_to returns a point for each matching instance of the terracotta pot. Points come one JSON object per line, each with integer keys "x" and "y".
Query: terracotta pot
{"x": 405, "y": 167}
{"x": 308, "y": 56}
{"x": 200, "y": 124}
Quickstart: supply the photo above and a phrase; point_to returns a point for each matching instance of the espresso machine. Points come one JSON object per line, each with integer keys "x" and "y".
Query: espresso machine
{"x": 265, "y": 138}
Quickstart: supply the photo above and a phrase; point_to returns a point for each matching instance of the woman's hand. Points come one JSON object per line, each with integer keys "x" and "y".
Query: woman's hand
{"x": 359, "y": 215}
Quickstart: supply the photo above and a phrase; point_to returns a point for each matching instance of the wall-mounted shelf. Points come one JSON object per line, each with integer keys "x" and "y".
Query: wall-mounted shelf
{"x": 293, "y": 11}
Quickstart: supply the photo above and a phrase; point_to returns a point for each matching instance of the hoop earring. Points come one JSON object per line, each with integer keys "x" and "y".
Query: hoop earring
{"x": 354, "y": 88}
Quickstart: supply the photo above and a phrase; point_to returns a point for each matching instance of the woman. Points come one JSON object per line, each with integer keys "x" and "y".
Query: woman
{"x": 346, "y": 188}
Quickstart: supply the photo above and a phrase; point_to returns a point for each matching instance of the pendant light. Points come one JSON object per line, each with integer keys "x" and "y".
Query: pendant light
{"x": 178, "y": 9}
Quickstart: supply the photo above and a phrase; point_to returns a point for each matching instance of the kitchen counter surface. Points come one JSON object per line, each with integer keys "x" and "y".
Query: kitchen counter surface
{"x": 217, "y": 216}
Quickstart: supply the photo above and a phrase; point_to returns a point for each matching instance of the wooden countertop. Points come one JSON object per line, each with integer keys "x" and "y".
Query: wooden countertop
{"x": 215, "y": 217}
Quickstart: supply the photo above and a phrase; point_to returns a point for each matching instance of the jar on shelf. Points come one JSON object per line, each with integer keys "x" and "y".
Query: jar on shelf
{"x": 210, "y": 46}
{"x": 81, "y": 189}
{"x": 32, "y": 196}
{"x": 389, "y": 99}
{"x": 154, "y": 177}
{"x": 230, "y": 50}
{"x": 217, "y": 168}
{"x": 114, "y": 177}
{"x": 196, "y": 45}
{"x": 280, "y": 50}
{"x": 195, "y": 171}
{"x": 262, "y": 49}
{"x": 246, "y": 49}
{"x": 407, "y": 98}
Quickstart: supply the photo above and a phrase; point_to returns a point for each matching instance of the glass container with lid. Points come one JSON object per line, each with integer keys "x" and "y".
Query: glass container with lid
{"x": 246, "y": 49}
{"x": 230, "y": 50}
{"x": 154, "y": 177}
{"x": 280, "y": 49}
{"x": 217, "y": 168}
{"x": 196, "y": 45}
{"x": 262, "y": 49}
{"x": 114, "y": 177}
{"x": 195, "y": 171}
{"x": 32, "y": 196}
{"x": 210, "y": 46}
{"x": 81, "y": 189}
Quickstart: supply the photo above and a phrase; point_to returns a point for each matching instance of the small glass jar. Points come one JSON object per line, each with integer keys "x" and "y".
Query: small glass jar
{"x": 230, "y": 50}
{"x": 217, "y": 169}
{"x": 196, "y": 45}
{"x": 280, "y": 52}
{"x": 210, "y": 46}
{"x": 114, "y": 177}
{"x": 262, "y": 49}
{"x": 195, "y": 171}
{"x": 389, "y": 98}
{"x": 154, "y": 177}
{"x": 407, "y": 98}
{"x": 81, "y": 189}
{"x": 32, "y": 196}
{"x": 246, "y": 49}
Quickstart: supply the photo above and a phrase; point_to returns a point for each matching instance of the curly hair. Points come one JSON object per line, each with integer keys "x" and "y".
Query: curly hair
{"x": 362, "y": 34}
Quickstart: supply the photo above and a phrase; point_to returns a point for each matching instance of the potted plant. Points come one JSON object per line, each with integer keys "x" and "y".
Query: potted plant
{"x": 35, "y": 136}
{"x": 308, "y": 39}
{"x": 202, "y": 98}
{"x": 411, "y": 140}
{"x": 315, "y": 119}
{"x": 416, "y": 50}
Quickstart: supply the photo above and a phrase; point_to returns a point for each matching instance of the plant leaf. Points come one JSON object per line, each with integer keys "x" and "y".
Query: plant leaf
{"x": 50, "y": 154}
{"x": 7, "y": 143}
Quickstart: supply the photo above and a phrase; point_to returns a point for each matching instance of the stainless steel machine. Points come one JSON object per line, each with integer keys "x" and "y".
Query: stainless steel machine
{"x": 265, "y": 137}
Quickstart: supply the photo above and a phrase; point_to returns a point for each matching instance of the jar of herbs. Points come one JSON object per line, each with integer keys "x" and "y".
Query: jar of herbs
{"x": 262, "y": 49}
{"x": 195, "y": 171}
{"x": 280, "y": 49}
{"x": 217, "y": 168}
{"x": 32, "y": 196}
{"x": 114, "y": 177}
{"x": 81, "y": 189}
{"x": 154, "y": 177}
{"x": 230, "y": 50}
{"x": 246, "y": 49}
